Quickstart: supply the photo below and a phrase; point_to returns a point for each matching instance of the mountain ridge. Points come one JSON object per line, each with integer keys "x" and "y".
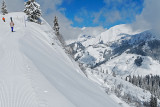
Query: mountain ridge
{"x": 101, "y": 49}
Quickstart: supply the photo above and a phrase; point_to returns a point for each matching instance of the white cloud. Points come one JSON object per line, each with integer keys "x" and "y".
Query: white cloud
{"x": 89, "y": 31}
{"x": 113, "y": 16}
{"x": 150, "y": 16}
{"x": 96, "y": 16}
{"x": 78, "y": 19}
{"x": 92, "y": 31}
{"x": 113, "y": 2}
{"x": 14, "y": 5}
{"x": 109, "y": 16}
{"x": 50, "y": 5}
{"x": 114, "y": 11}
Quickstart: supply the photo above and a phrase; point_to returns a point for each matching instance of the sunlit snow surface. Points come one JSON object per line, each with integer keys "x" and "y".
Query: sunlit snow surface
{"x": 34, "y": 73}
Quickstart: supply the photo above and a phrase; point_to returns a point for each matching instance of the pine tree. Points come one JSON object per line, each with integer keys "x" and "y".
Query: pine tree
{"x": 56, "y": 26}
{"x": 32, "y": 9}
{"x": 57, "y": 33}
{"x": 130, "y": 80}
{"x": 153, "y": 101}
{"x": 4, "y": 8}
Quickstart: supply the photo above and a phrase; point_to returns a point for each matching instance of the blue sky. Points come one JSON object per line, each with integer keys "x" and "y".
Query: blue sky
{"x": 88, "y": 13}
{"x": 106, "y": 13}
{"x": 96, "y": 15}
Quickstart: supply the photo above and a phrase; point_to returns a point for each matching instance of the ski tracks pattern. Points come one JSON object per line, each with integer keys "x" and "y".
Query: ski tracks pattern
{"x": 16, "y": 83}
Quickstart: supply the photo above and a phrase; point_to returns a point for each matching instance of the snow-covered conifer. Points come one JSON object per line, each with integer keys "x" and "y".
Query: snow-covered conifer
{"x": 32, "y": 9}
{"x": 56, "y": 26}
{"x": 153, "y": 101}
{"x": 57, "y": 33}
{"x": 4, "y": 8}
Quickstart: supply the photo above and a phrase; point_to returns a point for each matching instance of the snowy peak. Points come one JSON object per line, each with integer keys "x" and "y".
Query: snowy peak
{"x": 111, "y": 35}
{"x": 115, "y": 33}
{"x": 115, "y": 43}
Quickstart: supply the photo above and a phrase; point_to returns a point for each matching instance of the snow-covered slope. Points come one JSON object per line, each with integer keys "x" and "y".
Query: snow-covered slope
{"x": 35, "y": 73}
{"x": 117, "y": 50}
{"x": 115, "y": 56}
{"x": 115, "y": 33}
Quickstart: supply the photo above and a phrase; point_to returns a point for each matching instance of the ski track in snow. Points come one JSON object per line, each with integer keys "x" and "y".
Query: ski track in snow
{"x": 14, "y": 96}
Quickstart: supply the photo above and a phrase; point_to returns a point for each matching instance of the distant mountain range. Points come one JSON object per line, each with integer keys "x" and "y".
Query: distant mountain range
{"x": 119, "y": 50}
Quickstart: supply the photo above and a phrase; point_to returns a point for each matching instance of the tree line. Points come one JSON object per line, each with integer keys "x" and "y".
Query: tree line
{"x": 150, "y": 83}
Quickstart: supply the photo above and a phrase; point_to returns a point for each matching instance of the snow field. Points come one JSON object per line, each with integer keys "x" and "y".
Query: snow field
{"x": 34, "y": 73}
